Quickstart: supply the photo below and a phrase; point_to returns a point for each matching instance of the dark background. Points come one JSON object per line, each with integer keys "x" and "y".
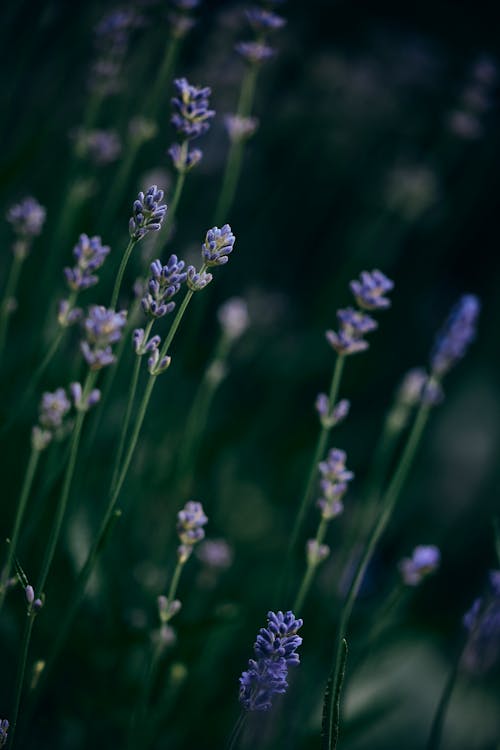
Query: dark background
{"x": 354, "y": 166}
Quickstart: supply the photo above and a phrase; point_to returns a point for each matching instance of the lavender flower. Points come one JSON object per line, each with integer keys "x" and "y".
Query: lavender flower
{"x": 369, "y": 292}
{"x": 101, "y": 146}
{"x": 197, "y": 280}
{"x": 68, "y": 315}
{"x": 330, "y": 418}
{"x": 164, "y": 284}
{"x": 215, "y": 553}
{"x": 102, "y": 328}
{"x": 264, "y": 20}
{"x": 353, "y": 326}
{"x": 424, "y": 561}
{"x": 157, "y": 364}
{"x": 148, "y": 213}
{"x": 84, "y": 403}
{"x": 192, "y": 115}
{"x": 190, "y": 522}
{"x": 240, "y": 128}
{"x": 27, "y": 218}
{"x": 218, "y": 245}
{"x": 4, "y": 728}
{"x": 458, "y": 332}
{"x": 316, "y": 553}
{"x": 233, "y": 318}
{"x": 90, "y": 254}
{"x": 184, "y": 159}
{"x": 483, "y": 623}
{"x": 275, "y": 650}
{"x": 53, "y": 409}
{"x": 254, "y": 53}
{"x": 333, "y": 483}
{"x": 144, "y": 347}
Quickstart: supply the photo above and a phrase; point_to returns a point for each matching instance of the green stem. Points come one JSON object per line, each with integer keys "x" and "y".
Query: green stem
{"x": 164, "y": 76}
{"x": 21, "y": 507}
{"x": 172, "y": 206}
{"x": 119, "y": 183}
{"x": 68, "y": 477}
{"x": 318, "y": 455}
{"x": 130, "y": 404}
{"x": 10, "y": 290}
{"x": 235, "y": 156}
{"x": 121, "y": 271}
{"x": 436, "y": 730}
{"x": 237, "y": 729}
{"x": 310, "y": 569}
{"x": 175, "y": 582}
{"x": 388, "y": 504}
{"x": 30, "y": 618}
{"x": 333, "y": 693}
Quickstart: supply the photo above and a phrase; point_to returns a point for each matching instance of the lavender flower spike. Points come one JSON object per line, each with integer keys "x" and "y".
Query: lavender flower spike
{"x": 90, "y": 254}
{"x": 254, "y": 52}
{"x": 353, "y": 326}
{"x": 334, "y": 479}
{"x": 369, "y": 292}
{"x": 27, "y": 218}
{"x": 483, "y": 623}
{"x": 53, "y": 409}
{"x": 264, "y": 20}
{"x": 102, "y": 328}
{"x": 148, "y": 213}
{"x": 275, "y": 650}
{"x": 192, "y": 114}
{"x": 164, "y": 284}
{"x": 4, "y": 728}
{"x": 458, "y": 332}
{"x": 218, "y": 245}
{"x": 190, "y": 522}
{"x": 424, "y": 560}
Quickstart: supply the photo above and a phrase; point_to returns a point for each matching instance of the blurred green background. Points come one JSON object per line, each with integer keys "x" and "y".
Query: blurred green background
{"x": 378, "y": 147}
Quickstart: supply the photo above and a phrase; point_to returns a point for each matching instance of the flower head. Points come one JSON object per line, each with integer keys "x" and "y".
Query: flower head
{"x": 53, "y": 409}
{"x": 254, "y": 52}
{"x": 369, "y": 291}
{"x": 353, "y": 326}
{"x": 483, "y": 623}
{"x": 190, "y": 522}
{"x": 333, "y": 483}
{"x": 103, "y": 327}
{"x": 425, "y": 560}
{"x": 164, "y": 284}
{"x": 218, "y": 245}
{"x": 148, "y": 213}
{"x": 275, "y": 650}
{"x": 191, "y": 109}
{"x": 264, "y": 20}
{"x": 240, "y": 128}
{"x": 101, "y": 146}
{"x": 4, "y": 728}
{"x": 27, "y": 218}
{"x": 456, "y": 335}
{"x": 197, "y": 280}
{"x": 330, "y": 417}
{"x": 184, "y": 159}
{"x": 90, "y": 254}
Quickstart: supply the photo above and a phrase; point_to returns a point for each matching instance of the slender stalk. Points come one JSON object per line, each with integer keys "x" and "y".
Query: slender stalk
{"x": 333, "y": 693}
{"x": 310, "y": 570}
{"x": 236, "y": 732}
{"x": 436, "y": 730}
{"x": 172, "y": 206}
{"x": 318, "y": 455}
{"x": 21, "y": 507}
{"x": 235, "y": 156}
{"x": 163, "y": 77}
{"x": 68, "y": 477}
{"x": 121, "y": 271}
{"x": 388, "y": 504}
{"x": 10, "y": 290}
{"x": 128, "y": 413}
{"x": 25, "y": 644}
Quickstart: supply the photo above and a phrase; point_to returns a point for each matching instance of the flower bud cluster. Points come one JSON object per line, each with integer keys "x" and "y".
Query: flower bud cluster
{"x": 218, "y": 245}
{"x": 100, "y": 146}
{"x": 4, "y": 729}
{"x": 103, "y": 328}
{"x": 35, "y": 604}
{"x": 458, "y": 332}
{"x": 81, "y": 401}
{"x": 164, "y": 284}
{"x": 53, "y": 410}
{"x": 90, "y": 254}
{"x": 425, "y": 560}
{"x": 27, "y": 218}
{"x": 331, "y": 417}
{"x": 191, "y": 119}
{"x": 333, "y": 483}
{"x": 190, "y": 522}
{"x": 148, "y": 213}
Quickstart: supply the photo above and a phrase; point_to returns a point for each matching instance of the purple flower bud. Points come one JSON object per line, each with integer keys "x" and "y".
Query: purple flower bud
{"x": 184, "y": 159}
{"x": 264, "y": 20}
{"x": 458, "y": 332}
{"x": 254, "y": 52}
{"x": 148, "y": 213}
{"x": 30, "y": 594}
{"x": 103, "y": 327}
{"x": 218, "y": 245}
{"x": 424, "y": 561}
{"x": 316, "y": 553}
{"x": 190, "y": 522}
{"x": 191, "y": 109}
{"x": 27, "y": 218}
{"x": 90, "y": 254}
{"x": 197, "y": 281}
{"x": 369, "y": 292}
{"x": 4, "y": 728}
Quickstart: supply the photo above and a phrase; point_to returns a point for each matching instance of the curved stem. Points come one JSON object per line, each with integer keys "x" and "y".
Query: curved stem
{"x": 236, "y": 732}
{"x": 388, "y": 505}
{"x": 310, "y": 570}
{"x": 68, "y": 477}
{"x": 121, "y": 271}
{"x": 30, "y": 618}
{"x": 21, "y": 507}
{"x": 436, "y": 730}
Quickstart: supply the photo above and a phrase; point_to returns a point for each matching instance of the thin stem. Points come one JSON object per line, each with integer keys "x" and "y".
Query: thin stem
{"x": 236, "y": 732}
{"x": 164, "y": 76}
{"x": 388, "y": 505}
{"x": 333, "y": 693}
{"x": 130, "y": 404}
{"x": 235, "y": 156}
{"x": 175, "y": 582}
{"x": 436, "y": 730}
{"x": 310, "y": 569}
{"x": 121, "y": 271}
{"x": 10, "y": 290}
{"x": 179, "y": 186}
{"x": 68, "y": 477}
{"x": 21, "y": 507}
{"x": 25, "y": 644}
{"x": 318, "y": 455}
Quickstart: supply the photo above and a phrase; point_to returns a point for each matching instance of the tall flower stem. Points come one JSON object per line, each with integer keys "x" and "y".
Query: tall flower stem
{"x": 10, "y": 290}
{"x": 25, "y": 644}
{"x": 174, "y": 203}
{"x": 436, "y": 730}
{"x": 21, "y": 507}
{"x": 119, "y": 276}
{"x": 387, "y": 507}
{"x": 235, "y": 156}
{"x": 236, "y": 731}
{"x": 318, "y": 455}
{"x": 68, "y": 477}
{"x": 310, "y": 570}
{"x": 130, "y": 405}
{"x": 167, "y": 67}
{"x": 78, "y": 589}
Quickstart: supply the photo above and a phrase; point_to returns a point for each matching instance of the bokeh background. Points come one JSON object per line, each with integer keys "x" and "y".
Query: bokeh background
{"x": 378, "y": 147}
